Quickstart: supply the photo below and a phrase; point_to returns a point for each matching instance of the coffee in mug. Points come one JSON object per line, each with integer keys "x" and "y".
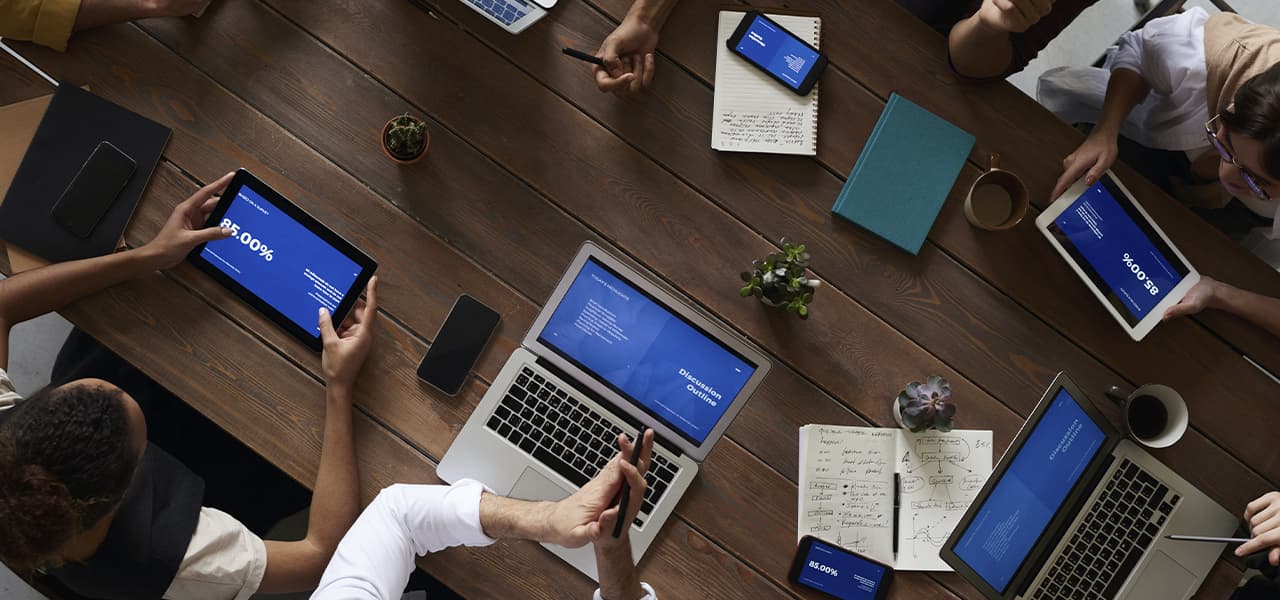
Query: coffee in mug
{"x": 1154, "y": 415}
{"x": 997, "y": 199}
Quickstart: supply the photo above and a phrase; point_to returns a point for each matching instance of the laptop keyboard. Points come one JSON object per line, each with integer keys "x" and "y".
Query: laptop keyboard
{"x": 1117, "y": 530}
{"x": 505, "y": 11}
{"x": 574, "y": 440}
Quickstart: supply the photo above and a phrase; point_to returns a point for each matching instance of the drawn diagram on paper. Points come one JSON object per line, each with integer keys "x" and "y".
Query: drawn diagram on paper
{"x": 939, "y": 473}
{"x": 847, "y": 489}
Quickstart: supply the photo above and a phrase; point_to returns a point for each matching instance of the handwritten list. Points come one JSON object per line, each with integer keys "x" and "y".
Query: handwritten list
{"x": 847, "y": 481}
{"x": 754, "y": 113}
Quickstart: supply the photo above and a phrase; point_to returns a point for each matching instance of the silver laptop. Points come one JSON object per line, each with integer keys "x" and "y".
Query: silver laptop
{"x": 610, "y": 352}
{"x": 512, "y": 15}
{"x": 1076, "y": 510}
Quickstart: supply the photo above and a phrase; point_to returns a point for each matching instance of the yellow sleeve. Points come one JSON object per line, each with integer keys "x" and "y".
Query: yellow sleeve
{"x": 45, "y": 22}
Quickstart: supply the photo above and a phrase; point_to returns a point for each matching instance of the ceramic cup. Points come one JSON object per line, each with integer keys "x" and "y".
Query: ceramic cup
{"x": 997, "y": 199}
{"x": 1154, "y": 415}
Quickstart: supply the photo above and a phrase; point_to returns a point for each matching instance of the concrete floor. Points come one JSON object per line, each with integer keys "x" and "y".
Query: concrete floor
{"x": 35, "y": 343}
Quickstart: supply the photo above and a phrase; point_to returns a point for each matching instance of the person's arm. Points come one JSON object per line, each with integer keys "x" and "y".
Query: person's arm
{"x": 1263, "y": 517}
{"x": 628, "y": 51}
{"x": 374, "y": 560}
{"x": 96, "y": 13}
{"x": 33, "y": 293}
{"x": 1263, "y": 311}
{"x": 981, "y": 47}
{"x": 335, "y": 502}
{"x": 1125, "y": 90}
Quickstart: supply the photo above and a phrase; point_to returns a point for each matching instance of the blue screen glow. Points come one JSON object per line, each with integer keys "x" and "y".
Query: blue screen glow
{"x": 642, "y": 350}
{"x": 280, "y": 261}
{"x": 777, "y": 51}
{"x": 1030, "y": 492}
{"x": 1135, "y": 267}
{"x": 839, "y": 573}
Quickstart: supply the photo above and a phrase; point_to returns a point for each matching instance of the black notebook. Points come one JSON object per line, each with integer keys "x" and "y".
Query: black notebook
{"x": 72, "y": 128}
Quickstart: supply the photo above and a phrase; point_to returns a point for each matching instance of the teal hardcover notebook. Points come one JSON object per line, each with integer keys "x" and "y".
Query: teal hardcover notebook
{"x": 904, "y": 174}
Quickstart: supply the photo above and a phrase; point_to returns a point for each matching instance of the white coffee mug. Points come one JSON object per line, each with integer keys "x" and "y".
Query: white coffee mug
{"x": 1145, "y": 428}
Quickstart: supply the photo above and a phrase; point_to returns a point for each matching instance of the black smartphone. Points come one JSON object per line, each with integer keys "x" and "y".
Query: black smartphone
{"x": 794, "y": 62}
{"x": 839, "y": 573}
{"x": 458, "y": 344}
{"x": 95, "y": 188}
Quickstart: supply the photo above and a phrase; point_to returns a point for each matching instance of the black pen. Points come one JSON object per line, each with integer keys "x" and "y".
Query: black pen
{"x": 583, "y": 56}
{"x": 1202, "y": 538}
{"x": 626, "y": 485}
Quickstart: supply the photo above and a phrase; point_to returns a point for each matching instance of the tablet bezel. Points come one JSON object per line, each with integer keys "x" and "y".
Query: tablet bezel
{"x": 243, "y": 178}
{"x": 1155, "y": 315}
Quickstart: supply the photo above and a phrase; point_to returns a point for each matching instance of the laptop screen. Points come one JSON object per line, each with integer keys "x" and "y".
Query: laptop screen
{"x": 650, "y": 355}
{"x": 1031, "y": 491}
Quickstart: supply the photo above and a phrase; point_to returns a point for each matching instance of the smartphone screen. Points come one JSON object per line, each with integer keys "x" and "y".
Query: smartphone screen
{"x": 90, "y": 195}
{"x": 769, "y": 46}
{"x": 458, "y": 344}
{"x": 839, "y": 572}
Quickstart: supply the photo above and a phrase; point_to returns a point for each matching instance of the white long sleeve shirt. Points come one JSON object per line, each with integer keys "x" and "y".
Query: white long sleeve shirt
{"x": 375, "y": 558}
{"x": 1169, "y": 55}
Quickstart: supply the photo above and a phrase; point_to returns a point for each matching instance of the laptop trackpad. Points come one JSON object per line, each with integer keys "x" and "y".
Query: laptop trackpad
{"x": 532, "y": 485}
{"x": 1162, "y": 578}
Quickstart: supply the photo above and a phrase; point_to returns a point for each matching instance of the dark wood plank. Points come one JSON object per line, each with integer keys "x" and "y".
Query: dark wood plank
{"x": 389, "y": 392}
{"x": 1032, "y": 140}
{"x": 431, "y": 419}
{"x": 1017, "y": 263}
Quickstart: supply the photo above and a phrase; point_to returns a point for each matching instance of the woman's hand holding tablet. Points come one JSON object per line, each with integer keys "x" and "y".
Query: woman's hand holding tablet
{"x": 281, "y": 260}
{"x": 1119, "y": 252}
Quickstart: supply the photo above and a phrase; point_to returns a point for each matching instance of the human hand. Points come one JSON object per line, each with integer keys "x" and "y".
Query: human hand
{"x": 346, "y": 348}
{"x": 1263, "y": 517}
{"x": 589, "y": 514}
{"x": 1091, "y": 159}
{"x": 1198, "y": 298}
{"x": 185, "y": 228}
{"x": 179, "y": 8}
{"x": 628, "y": 57}
{"x": 1013, "y": 16}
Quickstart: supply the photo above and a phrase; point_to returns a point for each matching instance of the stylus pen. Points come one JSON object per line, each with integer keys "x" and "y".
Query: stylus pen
{"x": 626, "y": 486}
{"x": 583, "y": 56}
{"x": 1201, "y": 538}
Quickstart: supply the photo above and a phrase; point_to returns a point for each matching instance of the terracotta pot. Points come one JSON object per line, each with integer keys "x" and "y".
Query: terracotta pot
{"x": 382, "y": 141}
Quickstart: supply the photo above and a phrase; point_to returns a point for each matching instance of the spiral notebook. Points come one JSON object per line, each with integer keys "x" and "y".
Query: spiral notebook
{"x": 751, "y": 111}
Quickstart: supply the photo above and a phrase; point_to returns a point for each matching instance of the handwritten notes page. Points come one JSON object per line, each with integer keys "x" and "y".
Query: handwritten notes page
{"x": 939, "y": 474}
{"x": 754, "y": 113}
{"x": 847, "y": 489}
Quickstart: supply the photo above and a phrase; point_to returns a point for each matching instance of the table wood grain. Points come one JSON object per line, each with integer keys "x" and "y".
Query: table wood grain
{"x": 527, "y": 161}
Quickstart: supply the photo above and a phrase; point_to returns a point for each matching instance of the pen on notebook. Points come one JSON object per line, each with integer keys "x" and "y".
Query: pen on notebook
{"x": 1201, "y": 538}
{"x": 583, "y": 56}
{"x": 626, "y": 485}
{"x": 897, "y": 501}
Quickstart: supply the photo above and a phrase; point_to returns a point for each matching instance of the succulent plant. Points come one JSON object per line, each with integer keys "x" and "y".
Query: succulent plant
{"x": 927, "y": 405}
{"x": 781, "y": 280}
{"x": 406, "y": 136}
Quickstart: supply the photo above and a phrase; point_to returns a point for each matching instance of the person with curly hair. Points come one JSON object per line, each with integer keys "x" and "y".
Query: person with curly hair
{"x": 87, "y": 500}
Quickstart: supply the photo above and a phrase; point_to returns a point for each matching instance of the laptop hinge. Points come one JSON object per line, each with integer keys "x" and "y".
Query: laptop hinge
{"x": 607, "y": 405}
{"x": 1090, "y": 484}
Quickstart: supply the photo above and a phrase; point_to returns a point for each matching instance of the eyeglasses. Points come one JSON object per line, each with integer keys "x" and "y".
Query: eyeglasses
{"x": 1211, "y": 129}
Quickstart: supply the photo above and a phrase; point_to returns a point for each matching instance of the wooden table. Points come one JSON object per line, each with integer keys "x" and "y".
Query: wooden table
{"x": 528, "y": 160}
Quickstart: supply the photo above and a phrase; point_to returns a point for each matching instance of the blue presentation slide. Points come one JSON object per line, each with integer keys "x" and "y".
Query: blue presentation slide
{"x": 678, "y": 373}
{"x": 777, "y": 51}
{"x": 1030, "y": 492}
{"x": 280, "y": 261}
{"x": 839, "y": 574}
{"x": 1134, "y": 270}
